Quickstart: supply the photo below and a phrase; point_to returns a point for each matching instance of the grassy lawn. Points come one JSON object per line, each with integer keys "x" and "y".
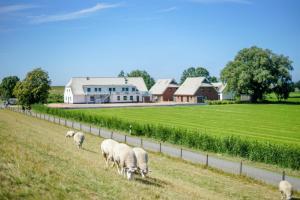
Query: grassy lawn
{"x": 271, "y": 122}
{"x": 57, "y": 90}
{"x": 37, "y": 162}
{"x": 294, "y": 97}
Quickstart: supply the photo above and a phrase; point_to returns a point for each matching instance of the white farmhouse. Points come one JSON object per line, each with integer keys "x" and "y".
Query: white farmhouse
{"x": 105, "y": 90}
{"x": 222, "y": 93}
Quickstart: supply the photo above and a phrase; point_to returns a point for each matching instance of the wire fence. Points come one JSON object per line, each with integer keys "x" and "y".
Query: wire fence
{"x": 232, "y": 167}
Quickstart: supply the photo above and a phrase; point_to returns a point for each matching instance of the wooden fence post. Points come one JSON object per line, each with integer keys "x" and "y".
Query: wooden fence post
{"x": 283, "y": 175}
{"x": 206, "y": 163}
{"x": 180, "y": 152}
{"x": 72, "y": 124}
{"x": 141, "y": 142}
{"x": 241, "y": 167}
{"x": 79, "y": 126}
{"x": 99, "y": 132}
{"x": 111, "y": 135}
{"x": 125, "y": 139}
{"x": 90, "y": 129}
{"x": 160, "y": 147}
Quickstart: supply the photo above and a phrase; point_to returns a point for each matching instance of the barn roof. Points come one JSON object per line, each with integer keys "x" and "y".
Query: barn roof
{"x": 161, "y": 85}
{"x": 219, "y": 86}
{"x": 191, "y": 85}
{"x": 77, "y": 83}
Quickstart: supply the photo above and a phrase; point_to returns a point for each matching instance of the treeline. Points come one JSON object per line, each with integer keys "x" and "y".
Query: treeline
{"x": 284, "y": 155}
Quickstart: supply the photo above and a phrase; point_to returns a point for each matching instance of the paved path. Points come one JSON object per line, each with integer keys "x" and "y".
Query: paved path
{"x": 232, "y": 167}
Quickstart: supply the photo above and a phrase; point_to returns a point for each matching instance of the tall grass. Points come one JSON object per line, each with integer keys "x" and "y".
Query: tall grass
{"x": 284, "y": 155}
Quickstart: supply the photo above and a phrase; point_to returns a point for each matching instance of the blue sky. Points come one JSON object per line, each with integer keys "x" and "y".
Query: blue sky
{"x": 163, "y": 37}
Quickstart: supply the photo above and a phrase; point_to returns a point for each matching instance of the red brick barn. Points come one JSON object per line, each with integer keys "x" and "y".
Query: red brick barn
{"x": 163, "y": 90}
{"x": 195, "y": 90}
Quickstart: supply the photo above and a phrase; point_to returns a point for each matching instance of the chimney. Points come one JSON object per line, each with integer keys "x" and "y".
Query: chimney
{"x": 87, "y": 78}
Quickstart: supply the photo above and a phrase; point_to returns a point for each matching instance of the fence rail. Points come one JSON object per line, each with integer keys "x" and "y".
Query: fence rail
{"x": 238, "y": 168}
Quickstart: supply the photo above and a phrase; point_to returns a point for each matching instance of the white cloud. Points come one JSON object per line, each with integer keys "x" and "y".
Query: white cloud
{"x": 170, "y": 9}
{"x": 222, "y": 1}
{"x": 72, "y": 15}
{"x": 15, "y": 8}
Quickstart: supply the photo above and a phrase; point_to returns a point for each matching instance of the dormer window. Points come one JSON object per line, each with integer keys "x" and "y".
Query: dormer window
{"x": 133, "y": 89}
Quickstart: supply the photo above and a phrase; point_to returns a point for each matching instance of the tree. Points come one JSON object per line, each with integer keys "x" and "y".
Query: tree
{"x": 194, "y": 72}
{"x": 149, "y": 81}
{"x": 7, "y": 86}
{"x": 213, "y": 79}
{"x": 297, "y": 85}
{"x": 33, "y": 89}
{"x": 121, "y": 74}
{"x": 257, "y": 72}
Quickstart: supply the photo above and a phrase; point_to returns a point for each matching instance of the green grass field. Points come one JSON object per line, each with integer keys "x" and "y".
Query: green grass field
{"x": 270, "y": 122}
{"x": 57, "y": 90}
{"x": 294, "y": 97}
{"x": 38, "y": 162}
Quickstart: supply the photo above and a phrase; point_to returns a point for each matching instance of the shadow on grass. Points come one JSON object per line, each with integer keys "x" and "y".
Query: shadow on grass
{"x": 89, "y": 150}
{"x": 151, "y": 181}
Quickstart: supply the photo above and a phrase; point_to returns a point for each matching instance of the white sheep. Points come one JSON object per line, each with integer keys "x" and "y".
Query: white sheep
{"x": 70, "y": 134}
{"x": 78, "y": 139}
{"x": 142, "y": 160}
{"x": 125, "y": 159}
{"x": 107, "y": 147}
{"x": 286, "y": 190}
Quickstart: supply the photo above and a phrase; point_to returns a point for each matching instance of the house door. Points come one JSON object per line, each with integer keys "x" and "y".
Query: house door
{"x": 138, "y": 98}
{"x": 200, "y": 99}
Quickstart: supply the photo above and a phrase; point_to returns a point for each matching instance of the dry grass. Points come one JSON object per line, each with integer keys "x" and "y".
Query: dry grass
{"x": 37, "y": 162}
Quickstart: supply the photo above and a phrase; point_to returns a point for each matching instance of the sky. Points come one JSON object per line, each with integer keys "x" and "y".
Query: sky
{"x": 163, "y": 37}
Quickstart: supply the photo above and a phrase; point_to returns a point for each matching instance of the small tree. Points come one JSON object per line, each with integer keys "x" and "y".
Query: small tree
{"x": 194, "y": 72}
{"x": 7, "y": 86}
{"x": 149, "y": 81}
{"x": 33, "y": 89}
{"x": 121, "y": 74}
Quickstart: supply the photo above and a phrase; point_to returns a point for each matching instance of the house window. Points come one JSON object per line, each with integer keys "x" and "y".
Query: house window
{"x": 96, "y": 89}
{"x": 89, "y": 89}
{"x": 99, "y": 89}
{"x": 127, "y": 89}
{"x": 133, "y": 89}
{"x": 109, "y": 89}
{"x": 123, "y": 89}
{"x": 131, "y": 98}
{"x": 125, "y": 98}
{"x": 114, "y": 89}
{"x": 118, "y": 98}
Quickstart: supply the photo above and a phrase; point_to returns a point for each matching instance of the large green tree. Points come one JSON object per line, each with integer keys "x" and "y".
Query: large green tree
{"x": 149, "y": 81}
{"x": 7, "y": 86}
{"x": 33, "y": 89}
{"x": 257, "y": 72}
{"x": 194, "y": 72}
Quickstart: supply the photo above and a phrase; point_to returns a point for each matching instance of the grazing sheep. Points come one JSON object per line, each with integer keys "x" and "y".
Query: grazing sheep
{"x": 78, "y": 139}
{"x": 286, "y": 190}
{"x": 70, "y": 134}
{"x": 125, "y": 159}
{"x": 107, "y": 147}
{"x": 142, "y": 160}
